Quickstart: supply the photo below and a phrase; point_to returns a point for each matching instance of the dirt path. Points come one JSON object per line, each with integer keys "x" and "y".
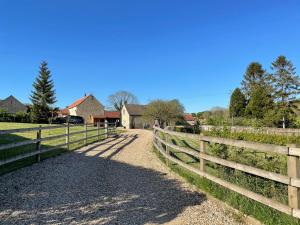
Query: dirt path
{"x": 119, "y": 181}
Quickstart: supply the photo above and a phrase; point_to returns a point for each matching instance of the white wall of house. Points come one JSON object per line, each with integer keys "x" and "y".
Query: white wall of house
{"x": 130, "y": 121}
{"x": 125, "y": 118}
{"x": 91, "y": 106}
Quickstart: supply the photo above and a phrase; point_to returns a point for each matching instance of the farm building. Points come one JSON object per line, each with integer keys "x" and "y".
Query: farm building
{"x": 189, "y": 119}
{"x": 132, "y": 116}
{"x": 109, "y": 116}
{"x": 12, "y": 105}
{"x": 86, "y": 107}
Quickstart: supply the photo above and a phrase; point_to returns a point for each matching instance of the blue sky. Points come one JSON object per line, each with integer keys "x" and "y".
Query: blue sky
{"x": 195, "y": 51}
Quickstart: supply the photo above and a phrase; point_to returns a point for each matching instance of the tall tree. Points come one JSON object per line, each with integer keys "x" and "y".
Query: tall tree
{"x": 164, "y": 112}
{"x": 260, "y": 102}
{"x": 43, "y": 95}
{"x": 121, "y": 98}
{"x": 254, "y": 76}
{"x": 285, "y": 84}
{"x": 237, "y": 103}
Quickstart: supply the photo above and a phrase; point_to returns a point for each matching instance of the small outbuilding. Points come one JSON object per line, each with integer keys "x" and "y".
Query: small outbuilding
{"x": 131, "y": 116}
{"x": 112, "y": 117}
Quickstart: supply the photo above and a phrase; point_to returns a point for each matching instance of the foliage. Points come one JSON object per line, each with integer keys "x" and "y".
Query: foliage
{"x": 286, "y": 85}
{"x": 256, "y": 137}
{"x": 237, "y": 103}
{"x": 22, "y": 117}
{"x": 43, "y": 95}
{"x": 121, "y": 98}
{"x": 216, "y": 116}
{"x": 260, "y": 102}
{"x": 254, "y": 76}
{"x": 165, "y": 112}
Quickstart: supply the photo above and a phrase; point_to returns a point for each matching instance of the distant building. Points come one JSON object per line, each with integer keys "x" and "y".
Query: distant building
{"x": 189, "y": 119}
{"x": 12, "y": 105}
{"x": 132, "y": 116}
{"x": 87, "y": 107}
{"x": 112, "y": 117}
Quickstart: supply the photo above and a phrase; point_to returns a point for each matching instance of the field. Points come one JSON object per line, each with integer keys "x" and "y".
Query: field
{"x": 267, "y": 161}
{"x": 18, "y": 137}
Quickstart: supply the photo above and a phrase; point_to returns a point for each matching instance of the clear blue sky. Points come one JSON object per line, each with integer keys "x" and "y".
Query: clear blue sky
{"x": 196, "y": 51}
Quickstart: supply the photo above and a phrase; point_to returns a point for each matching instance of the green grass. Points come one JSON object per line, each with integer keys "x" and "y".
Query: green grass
{"x": 245, "y": 205}
{"x": 18, "y": 137}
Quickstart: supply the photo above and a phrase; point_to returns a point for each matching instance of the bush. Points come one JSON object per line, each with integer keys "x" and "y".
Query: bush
{"x": 21, "y": 117}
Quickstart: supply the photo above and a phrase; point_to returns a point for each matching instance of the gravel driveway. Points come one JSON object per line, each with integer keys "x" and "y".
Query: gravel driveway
{"x": 119, "y": 181}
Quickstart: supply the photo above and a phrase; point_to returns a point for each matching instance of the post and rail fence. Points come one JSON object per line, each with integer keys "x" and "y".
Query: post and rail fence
{"x": 108, "y": 128}
{"x": 292, "y": 179}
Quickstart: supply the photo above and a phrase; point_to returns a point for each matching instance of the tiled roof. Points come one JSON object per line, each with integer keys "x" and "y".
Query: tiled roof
{"x": 64, "y": 111}
{"x": 189, "y": 117}
{"x": 109, "y": 115}
{"x": 12, "y": 105}
{"x": 135, "y": 110}
{"x": 78, "y": 102}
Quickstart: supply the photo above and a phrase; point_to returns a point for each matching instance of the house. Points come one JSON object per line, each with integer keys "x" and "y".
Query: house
{"x": 12, "y": 105}
{"x": 87, "y": 107}
{"x": 189, "y": 119}
{"x": 113, "y": 117}
{"x": 132, "y": 116}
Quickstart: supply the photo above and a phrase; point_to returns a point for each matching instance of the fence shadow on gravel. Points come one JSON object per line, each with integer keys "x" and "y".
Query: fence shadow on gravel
{"x": 90, "y": 189}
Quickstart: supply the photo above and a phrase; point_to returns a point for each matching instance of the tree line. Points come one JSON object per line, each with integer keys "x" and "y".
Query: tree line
{"x": 267, "y": 97}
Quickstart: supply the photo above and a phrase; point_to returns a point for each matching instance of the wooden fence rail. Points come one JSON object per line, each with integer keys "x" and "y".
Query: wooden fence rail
{"x": 292, "y": 179}
{"x": 109, "y": 129}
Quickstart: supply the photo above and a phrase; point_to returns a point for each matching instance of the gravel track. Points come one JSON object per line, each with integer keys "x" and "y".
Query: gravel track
{"x": 119, "y": 181}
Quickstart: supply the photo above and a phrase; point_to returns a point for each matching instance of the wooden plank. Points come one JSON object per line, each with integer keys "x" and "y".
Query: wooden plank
{"x": 247, "y": 169}
{"x": 247, "y": 144}
{"x": 293, "y": 166}
{"x": 26, "y": 155}
{"x": 202, "y": 151}
{"x": 38, "y": 144}
{"x": 294, "y": 151}
{"x": 98, "y": 130}
{"x": 85, "y": 134}
{"x": 68, "y": 136}
{"x": 23, "y": 130}
{"x": 236, "y": 143}
{"x": 185, "y": 135}
{"x": 176, "y": 147}
{"x": 17, "y": 144}
{"x": 259, "y": 198}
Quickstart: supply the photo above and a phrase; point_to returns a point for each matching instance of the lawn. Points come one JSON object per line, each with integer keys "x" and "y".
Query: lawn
{"x": 17, "y": 137}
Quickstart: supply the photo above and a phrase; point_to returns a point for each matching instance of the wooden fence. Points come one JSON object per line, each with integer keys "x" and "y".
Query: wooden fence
{"x": 292, "y": 179}
{"x": 262, "y": 130}
{"x": 109, "y": 129}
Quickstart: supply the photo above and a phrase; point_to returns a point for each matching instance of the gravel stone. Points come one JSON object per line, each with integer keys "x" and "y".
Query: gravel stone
{"x": 118, "y": 181}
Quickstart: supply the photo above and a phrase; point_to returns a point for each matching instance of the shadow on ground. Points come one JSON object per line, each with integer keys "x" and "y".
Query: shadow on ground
{"x": 90, "y": 189}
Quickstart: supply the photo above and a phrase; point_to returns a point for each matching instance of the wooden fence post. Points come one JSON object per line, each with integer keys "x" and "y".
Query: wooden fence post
{"x": 106, "y": 129}
{"x": 293, "y": 172}
{"x": 68, "y": 136}
{"x": 85, "y": 134}
{"x": 167, "y": 148}
{"x": 38, "y": 144}
{"x": 98, "y": 130}
{"x": 202, "y": 150}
